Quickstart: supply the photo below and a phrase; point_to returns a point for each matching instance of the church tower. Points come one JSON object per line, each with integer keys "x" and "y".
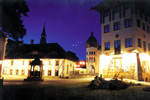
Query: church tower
{"x": 43, "y": 36}
{"x": 92, "y": 55}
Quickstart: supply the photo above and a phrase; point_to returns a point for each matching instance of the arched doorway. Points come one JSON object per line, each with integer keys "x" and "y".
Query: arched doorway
{"x": 91, "y": 69}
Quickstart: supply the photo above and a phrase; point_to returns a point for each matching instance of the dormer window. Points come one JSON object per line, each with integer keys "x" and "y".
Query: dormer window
{"x": 57, "y": 63}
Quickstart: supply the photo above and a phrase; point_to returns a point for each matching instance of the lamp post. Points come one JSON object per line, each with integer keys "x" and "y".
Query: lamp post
{"x": 3, "y": 40}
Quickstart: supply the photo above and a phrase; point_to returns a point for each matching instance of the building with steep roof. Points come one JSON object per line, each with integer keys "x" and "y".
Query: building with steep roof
{"x": 56, "y": 62}
{"x": 125, "y": 50}
{"x": 92, "y": 55}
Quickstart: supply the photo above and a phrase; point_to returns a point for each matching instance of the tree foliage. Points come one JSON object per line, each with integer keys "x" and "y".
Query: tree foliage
{"x": 12, "y": 10}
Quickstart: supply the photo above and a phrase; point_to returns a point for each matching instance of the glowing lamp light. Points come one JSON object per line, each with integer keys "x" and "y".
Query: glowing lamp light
{"x": 82, "y": 62}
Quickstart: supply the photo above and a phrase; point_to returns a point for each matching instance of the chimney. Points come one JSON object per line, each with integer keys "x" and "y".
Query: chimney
{"x": 32, "y": 41}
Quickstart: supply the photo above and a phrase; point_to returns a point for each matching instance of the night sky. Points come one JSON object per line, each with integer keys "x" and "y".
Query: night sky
{"x": 68, "y": 22}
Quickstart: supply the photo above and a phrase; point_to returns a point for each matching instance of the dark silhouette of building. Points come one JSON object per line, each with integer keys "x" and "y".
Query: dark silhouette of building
{"x": 43, "y": 36}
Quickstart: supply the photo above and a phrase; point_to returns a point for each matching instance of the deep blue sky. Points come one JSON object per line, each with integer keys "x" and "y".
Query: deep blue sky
{"x": 68, "y": 22}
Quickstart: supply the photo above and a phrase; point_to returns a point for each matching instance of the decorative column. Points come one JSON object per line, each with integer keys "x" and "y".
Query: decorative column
{"x": 138, "y": 70}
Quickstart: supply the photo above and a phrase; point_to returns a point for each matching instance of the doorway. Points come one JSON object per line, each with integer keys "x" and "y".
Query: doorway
{"x": 92, "y": 69}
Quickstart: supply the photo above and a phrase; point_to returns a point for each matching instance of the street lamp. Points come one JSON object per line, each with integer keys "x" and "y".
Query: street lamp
{"x": 3, "y": 42}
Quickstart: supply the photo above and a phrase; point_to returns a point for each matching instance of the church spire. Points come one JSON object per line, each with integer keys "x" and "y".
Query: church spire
{"x": 43, "y": 36}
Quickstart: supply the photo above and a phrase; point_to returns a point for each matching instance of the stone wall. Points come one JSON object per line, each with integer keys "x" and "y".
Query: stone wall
{"x": 77, "y": 76}
{"x": 124, "y": 75}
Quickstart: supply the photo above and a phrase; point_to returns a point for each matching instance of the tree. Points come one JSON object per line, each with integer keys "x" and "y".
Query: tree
{"x": 12, "y": 10}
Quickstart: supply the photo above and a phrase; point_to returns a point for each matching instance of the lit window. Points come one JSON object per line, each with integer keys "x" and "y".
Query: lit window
{"x": 107, "y": 46}
{"x": 143, "y": 26}
{"x": 128, "y": 22}
{"x": 5, "y": 70}
{"x": 116, "y": 26}
{"x": 22, "y": 62}
{"x": 138, "y": 23}
{"x": 22, "y": 72}
{"x": 144, "y": 46}
{"x": 17, "y": 72}
{"x": 116, "y": 10}
{"x": 49, "y": 72}
{"x": 12, "y": 62}
{"x": 139, "y": 43}
{"x": 57, "y": 63}
{"x": 128, "y": 42}
{"x": 11, "y": 71}
{"x": 148, "y": 46}
{"x": 106, "y": 28}
{"x": 106, "y": 13}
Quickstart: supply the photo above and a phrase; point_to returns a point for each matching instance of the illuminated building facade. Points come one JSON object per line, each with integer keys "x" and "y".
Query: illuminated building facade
{"x": 92, "y": 54}
{"x": 125, "y": 26}
{"x": 56, "y": 62}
